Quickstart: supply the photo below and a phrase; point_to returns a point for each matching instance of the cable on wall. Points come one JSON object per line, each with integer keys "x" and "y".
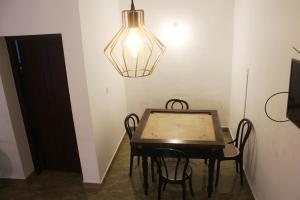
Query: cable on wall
{"x": 278, "y": 93}
{"x": 246, "y": 93}
{"x": 266, "y": 112}
{"x": 298, "y": 51}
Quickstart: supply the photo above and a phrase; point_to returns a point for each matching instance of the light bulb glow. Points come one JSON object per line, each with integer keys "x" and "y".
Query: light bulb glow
{"x": 133, "y": 42}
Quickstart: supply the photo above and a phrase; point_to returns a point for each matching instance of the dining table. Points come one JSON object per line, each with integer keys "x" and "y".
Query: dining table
{"x": 196, "y": 132}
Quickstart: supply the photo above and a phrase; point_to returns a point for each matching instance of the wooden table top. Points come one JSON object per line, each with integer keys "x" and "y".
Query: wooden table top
{"x": 197, "y": 128}
{"x": 180, "y": 126}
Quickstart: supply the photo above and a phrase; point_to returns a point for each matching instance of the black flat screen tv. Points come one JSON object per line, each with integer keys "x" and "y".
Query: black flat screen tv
{"x": 293, "y": 108}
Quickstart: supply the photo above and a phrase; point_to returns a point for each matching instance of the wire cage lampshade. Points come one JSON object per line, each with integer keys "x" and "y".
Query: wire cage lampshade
{"x": 134, "y": 51}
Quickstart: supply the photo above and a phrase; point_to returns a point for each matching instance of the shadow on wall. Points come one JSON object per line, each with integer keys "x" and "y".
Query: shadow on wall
{"x": 251, "y": 156}
{"x": 5, "y": 165}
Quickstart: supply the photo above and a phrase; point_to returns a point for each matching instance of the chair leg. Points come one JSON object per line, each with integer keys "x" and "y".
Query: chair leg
{"x": 183, "y": 190}
{"x": 159, "y": 189}
{"x": 218, "y": 172}
{"x": 165, "y": 186}
{"x": 191, "y": 186}
{"x": 138, "y": 161}
{"x": 131, "y": 161}
{"x": 237, "y": 166}
{"x": 241, "y": 170}
{"x": 152, "y": 169}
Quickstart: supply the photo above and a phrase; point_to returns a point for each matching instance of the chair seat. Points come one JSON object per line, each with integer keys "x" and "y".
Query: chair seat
{"x": 230, "y": 151}
{"x": 171, "y": 173}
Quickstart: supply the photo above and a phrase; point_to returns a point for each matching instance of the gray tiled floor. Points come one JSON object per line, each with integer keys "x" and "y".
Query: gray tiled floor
{"x": 118, "y": 185}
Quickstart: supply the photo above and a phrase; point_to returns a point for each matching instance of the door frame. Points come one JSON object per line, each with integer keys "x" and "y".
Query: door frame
{"x": 14, "y": 66}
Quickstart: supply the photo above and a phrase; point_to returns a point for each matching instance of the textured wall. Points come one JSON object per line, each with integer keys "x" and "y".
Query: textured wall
{"x": 265, "y": 32}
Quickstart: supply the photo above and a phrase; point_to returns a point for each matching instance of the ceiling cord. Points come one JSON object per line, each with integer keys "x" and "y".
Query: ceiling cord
{"x": 132, "y": 5}
{"x": 279, "y": 121}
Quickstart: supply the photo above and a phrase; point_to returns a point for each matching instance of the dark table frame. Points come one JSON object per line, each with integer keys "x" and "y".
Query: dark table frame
{"x": 197, "y": 149}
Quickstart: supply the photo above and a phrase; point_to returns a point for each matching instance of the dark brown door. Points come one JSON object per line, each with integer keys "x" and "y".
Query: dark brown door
{"x": 40, "y": 75}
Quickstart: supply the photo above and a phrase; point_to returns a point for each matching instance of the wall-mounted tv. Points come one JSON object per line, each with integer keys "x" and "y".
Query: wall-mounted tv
{"x": 293, "y": 108}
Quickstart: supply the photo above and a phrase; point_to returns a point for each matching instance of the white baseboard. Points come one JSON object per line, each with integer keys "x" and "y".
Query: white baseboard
{"x": 250, "y": 185}
{"x": 113, "y": 157}
{"x": 246, "y": 175}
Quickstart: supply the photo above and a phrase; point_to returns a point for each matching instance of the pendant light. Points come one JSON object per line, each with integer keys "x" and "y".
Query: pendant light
{"x": 134, "y": 51}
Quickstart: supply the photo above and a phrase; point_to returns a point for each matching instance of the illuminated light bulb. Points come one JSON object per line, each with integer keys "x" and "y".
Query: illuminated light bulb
{"x": 133, "y": 42}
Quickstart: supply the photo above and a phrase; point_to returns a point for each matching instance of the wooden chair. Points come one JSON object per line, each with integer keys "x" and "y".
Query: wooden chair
{"x": 173, "y": 168}
{"x": 172, "y": 102}
{"x": 131, "y": 123}
{"x": 234, "y": 150}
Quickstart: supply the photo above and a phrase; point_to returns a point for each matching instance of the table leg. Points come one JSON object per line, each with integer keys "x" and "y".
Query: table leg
{"x": 211, "y": 168}
{"x": 145, "y": 174}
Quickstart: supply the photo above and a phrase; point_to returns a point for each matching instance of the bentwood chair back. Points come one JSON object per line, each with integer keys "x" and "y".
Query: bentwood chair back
{"x": 131, "y": 123}
{"x": 243, "y": 132}
{"x": 173, "y": 168}
{"x": 235, "y": 150}
{"x": 173, "y": 103}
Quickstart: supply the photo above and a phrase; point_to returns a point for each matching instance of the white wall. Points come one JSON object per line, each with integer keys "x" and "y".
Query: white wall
{"x": 15, "y": 160}
{"x": 197, "y": 63}
{"x": 265, "y": 32}
{"x": 30, "y": 17}
{"x": 99, "y": 22}
{"x": 10, "y": 160}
